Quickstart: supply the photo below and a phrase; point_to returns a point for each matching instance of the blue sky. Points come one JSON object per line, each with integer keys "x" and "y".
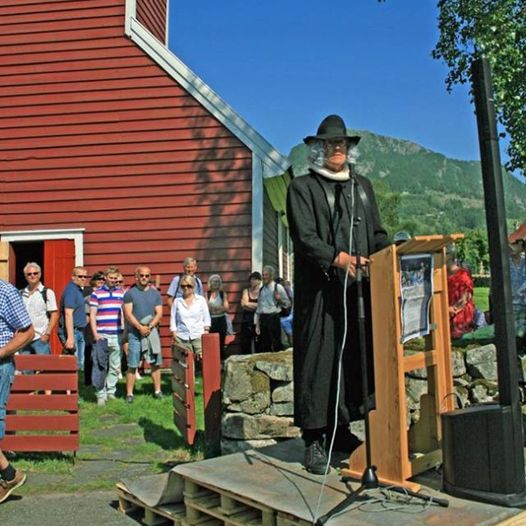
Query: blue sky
{"x": 283, "y": 65}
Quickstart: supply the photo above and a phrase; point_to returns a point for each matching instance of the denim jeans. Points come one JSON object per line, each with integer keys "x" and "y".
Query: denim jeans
{"x": 80, "y": 344}
{"x": 7, "y": 373}
{"x": 37, "y": 347}
{"x": 114, "y": 363}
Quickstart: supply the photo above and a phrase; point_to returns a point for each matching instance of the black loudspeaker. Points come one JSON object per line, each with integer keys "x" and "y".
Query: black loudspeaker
{"x": 479, "y": 447}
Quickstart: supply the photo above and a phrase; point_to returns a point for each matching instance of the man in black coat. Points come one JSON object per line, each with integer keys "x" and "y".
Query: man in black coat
{"x": 321, "y": 206}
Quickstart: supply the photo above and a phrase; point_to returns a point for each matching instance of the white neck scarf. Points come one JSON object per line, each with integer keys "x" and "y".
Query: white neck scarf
{"x": 343, "y": 175}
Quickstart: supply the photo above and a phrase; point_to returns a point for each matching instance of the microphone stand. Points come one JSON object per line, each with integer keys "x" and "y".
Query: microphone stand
{"x": 369, "y": 479}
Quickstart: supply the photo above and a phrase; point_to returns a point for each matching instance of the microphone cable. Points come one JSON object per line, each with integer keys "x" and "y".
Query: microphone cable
{"x": 339, "y": 358}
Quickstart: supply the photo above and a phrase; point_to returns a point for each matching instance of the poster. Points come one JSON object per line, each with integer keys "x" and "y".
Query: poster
{"x": 416, "y": 291}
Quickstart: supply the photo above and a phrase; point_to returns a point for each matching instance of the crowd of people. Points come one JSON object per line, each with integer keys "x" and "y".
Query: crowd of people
{"x": 111, "y": 328}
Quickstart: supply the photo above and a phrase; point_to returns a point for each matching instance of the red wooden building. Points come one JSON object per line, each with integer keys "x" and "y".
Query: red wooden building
{"x": 114, "y": 152}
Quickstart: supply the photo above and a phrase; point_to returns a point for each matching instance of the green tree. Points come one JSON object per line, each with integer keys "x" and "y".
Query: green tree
{"x": 473, "y": 250}
{"x": 388, "y": 205}
{"x": 497, "y": 30}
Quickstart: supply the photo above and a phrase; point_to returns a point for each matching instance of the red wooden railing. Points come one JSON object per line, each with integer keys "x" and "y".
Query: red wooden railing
{"x": 183, "y": 387}
{"x": 37, "y": 421}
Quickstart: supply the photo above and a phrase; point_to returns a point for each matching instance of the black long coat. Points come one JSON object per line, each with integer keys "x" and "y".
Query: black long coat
{"x": 319, "y": 227}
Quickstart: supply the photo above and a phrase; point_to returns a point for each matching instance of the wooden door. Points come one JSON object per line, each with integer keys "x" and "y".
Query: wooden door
{"x": 59, "y": 260}
{"x": 4, "y": 260}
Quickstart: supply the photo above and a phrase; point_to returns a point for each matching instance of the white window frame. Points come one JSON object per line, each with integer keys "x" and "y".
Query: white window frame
{"x": 77, "y": 234}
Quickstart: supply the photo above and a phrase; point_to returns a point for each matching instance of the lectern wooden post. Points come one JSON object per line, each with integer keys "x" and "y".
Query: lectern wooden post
{"x": 399, "y": 453}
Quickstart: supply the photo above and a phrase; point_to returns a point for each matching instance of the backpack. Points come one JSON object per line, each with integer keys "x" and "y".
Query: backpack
{"x": 285, "y": 311}
{"x": 44, "y": 297}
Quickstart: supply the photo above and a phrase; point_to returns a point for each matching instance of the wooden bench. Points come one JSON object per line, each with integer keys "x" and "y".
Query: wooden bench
{"x": 42, "y": 422}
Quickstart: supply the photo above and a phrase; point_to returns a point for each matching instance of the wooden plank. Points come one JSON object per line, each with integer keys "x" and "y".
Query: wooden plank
{"x": 52, "y": 402}
{"x": 37, "y": 6}
{"x": 419, "y": 360}
{"x": 180, "y": 389}
{"x": 40, "y": 443}
{"x": 108, "y": 101}
{"x": 80, "y": 35}
{"x": 120, "y": 124}
{"x": 26, "y": 48}
{"x": 63, "y": 26}
{"x": 46, "y": 363}
{"x": 49, "y": 122}
{"x": 42, "y": 422}
{"x": 48, "y": 382}
{"x": 49, "y": 17}
{"x": 212, "y": 393}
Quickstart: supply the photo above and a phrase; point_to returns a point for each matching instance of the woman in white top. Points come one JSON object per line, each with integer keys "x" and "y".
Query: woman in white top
{"x": 189, "y": 318}
{"x": 218, "y": 307}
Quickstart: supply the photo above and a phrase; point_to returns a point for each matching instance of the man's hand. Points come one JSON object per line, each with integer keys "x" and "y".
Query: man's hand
{"x": 144, "y": 330}
{"x": 345, "y": 261}
{"x": 44, "y": 338}
{"x": 70, "y": 344}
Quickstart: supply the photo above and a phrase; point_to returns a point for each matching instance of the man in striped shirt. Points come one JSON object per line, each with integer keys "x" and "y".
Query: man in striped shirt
{"x": 106, "y": 324}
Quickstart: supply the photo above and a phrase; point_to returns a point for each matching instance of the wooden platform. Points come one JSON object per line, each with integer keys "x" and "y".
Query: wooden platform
{"x": 269, "y": 487}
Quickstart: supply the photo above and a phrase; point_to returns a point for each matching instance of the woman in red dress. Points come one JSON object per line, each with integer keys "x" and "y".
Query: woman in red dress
{"x": 460, "y": 292}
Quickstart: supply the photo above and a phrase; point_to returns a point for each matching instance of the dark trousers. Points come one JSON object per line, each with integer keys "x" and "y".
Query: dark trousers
{"x": 219, "y": 325}
{"x": 270, "y": 333}
{"x": 248, "y": 335}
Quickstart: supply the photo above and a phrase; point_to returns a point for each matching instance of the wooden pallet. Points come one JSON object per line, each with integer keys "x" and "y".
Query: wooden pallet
{"x": 206, "y": 503}
{"x": 172, "y": 514}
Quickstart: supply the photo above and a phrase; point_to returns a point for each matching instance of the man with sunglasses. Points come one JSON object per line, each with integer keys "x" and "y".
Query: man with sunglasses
{"x": 41, "y": 305}
{"x": 106, "y": 325}
{"x": 73, "y": 318}
{"x": 143, "y": 310}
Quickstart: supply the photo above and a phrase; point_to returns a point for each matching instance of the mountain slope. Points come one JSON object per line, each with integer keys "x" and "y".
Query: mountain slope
{"x": 436, "y": 194}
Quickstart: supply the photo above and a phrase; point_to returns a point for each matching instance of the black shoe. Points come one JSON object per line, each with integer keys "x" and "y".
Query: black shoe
{"x": 345, "y": 441}
{"x": 316, "y": 458}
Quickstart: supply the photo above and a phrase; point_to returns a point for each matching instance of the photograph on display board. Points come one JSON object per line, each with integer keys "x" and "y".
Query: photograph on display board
{"x": 416, "y": 291}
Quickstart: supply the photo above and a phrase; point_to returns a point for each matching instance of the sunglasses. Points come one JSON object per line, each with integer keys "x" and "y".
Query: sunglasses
{"x": 119, "y": 281}
{"x": 187, "y": 286}
{"x": 83, "y": 276}
{"x": 32, "y": 273}
{"x": 144, "y": 275}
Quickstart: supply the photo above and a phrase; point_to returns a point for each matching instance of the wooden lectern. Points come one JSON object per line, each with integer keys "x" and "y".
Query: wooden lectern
{"x": 399, "y": 453}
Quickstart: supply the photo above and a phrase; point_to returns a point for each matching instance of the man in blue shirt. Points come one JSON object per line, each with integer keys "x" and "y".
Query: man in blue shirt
{"x": 16, "y": 331}
{"x": 73, "y": 315}
{"x": 143, "y": 310}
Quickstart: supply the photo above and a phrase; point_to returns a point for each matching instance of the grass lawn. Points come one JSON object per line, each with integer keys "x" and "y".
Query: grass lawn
{"x": 141, "y": 433}
{"x": 481, "y": 298}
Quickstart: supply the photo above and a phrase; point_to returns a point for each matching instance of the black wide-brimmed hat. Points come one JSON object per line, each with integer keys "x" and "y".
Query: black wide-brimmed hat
{"x": 332, "y": 128}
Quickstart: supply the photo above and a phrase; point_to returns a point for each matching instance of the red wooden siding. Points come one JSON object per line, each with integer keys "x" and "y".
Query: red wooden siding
{"x": 94, "y": 135}
{"x": 152, "y": 15}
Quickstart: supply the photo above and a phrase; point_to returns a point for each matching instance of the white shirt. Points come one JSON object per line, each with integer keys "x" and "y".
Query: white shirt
{"x": 37, "y": 308}
{"x": 189, "y": 321}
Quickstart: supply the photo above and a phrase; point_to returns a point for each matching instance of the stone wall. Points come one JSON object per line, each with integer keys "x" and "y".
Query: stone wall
{"x": 474, "y": 379}
{"x": 257, "y": 401}
{"x": 258, "y": 394}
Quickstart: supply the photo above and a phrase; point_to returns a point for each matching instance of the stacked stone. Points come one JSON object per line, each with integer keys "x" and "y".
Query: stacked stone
{"x": 258, "y": 401}
{"x": 474, "y": 379}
